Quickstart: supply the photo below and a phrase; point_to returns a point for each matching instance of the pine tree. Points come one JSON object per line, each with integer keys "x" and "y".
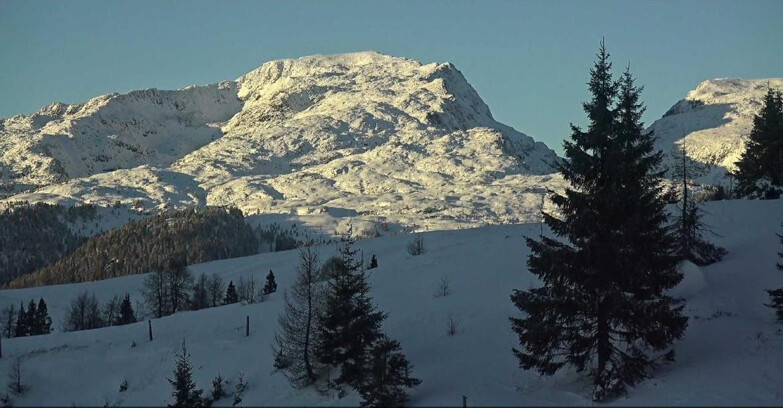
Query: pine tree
{"x": 271, "y": 285}
{"x": 776, "y": 295}
{"x": 185, "y": 393}
{"x": 33, "y": 328}
{"x": 602, "y": 306}
{"x": 760, "y": 169}
{"x": 386, "y": 375}
{"x": 349, "y": 322}
{"x": 44, "y": 321}
{"x": 231, "y": 294}
{"x": 22, "y": 329}
{"x": 373, "y": 262}
{"x": 688, "y": 226}
{"x": 127, "y": 315}
{"x": 296, "y": 337}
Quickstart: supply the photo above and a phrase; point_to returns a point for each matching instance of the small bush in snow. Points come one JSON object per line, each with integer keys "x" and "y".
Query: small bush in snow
{"x": 124, "y": 386}
{"x": 15, "y": 384}
{"x": 452, "y": 326}
{"x": 416, "y": 247}
{"x": 239, "y": 390}
{"x": 218, "y": 391}
{"x": 443, "y": 288}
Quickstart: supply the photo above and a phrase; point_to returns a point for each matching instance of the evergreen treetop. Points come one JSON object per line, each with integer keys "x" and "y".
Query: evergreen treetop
{"x": 602, "y": 306}
{"x": 760, "y": 169}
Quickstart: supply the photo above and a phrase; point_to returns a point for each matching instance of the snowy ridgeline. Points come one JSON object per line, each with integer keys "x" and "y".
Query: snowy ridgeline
{"x": 731, "y": 354}
{"x": 360, "y": 134}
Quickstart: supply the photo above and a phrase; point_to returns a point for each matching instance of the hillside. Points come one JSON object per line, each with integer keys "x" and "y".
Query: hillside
{"x": 364, "y": 133}
{"x": 731, "y": 354}
{"x": 712, "y": 123}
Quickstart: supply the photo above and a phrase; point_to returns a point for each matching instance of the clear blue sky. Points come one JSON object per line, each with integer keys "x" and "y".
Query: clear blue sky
{"x": 528, "y": 60}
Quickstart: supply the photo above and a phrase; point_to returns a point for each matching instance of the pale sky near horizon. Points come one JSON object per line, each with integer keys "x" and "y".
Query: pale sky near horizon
{"x": 529, "y": 60}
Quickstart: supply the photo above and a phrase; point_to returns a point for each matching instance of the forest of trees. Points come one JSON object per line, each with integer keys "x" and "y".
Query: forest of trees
{"x": 33, "y": 236}
{"x": 195, "y": 235}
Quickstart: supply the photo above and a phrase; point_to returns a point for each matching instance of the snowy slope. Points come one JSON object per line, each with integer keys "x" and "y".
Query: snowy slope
{"x": 365, "y": 132}
{"x": 712, "y": 123}
{"x": 731, "y": 354}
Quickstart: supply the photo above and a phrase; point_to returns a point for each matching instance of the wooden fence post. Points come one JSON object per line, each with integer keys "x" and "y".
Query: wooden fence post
{"x": 247, "y": 326}
{"x": 464, "y": 402}
{"x": 150, "y": 326}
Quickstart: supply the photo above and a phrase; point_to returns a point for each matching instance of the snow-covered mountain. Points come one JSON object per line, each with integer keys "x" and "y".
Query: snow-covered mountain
{"x": 712, "y": 123}
{"x": 360, "y": 134}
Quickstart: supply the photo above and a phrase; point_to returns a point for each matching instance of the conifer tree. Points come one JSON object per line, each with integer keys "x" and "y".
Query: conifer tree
{"x": 271, "y": 285}
{"x": 185, "y": 393}
{"x": 602, "y": 307}
{"x": 296, "y": 337}
{"x": 386, "y": 375}
{"x": 349, "y": 322}
{"x": 231, "y": 294}
{"x": 127, "y": 315}
{"x": 44, "y": 321}
{"x": 22, "y": 329}
{"x": 688, "y": 226}
{"x": 32, "y": 319}
{"x": 760, "y": 169}
{"x": 373, "y": 262}
{"x": 776, "y": 295}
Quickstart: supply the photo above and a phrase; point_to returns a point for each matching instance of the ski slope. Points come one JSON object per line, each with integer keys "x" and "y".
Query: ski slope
{"x": 731, "y": 354}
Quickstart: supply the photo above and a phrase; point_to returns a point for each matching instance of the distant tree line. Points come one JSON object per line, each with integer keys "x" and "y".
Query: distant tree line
{"x": 85, "y": 313}
{"x": 33, "y": 236}
{"x": 196, "y": 235}
{"x": 22, "y": 323}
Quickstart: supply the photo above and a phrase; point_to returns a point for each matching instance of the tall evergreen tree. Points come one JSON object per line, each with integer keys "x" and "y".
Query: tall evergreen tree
{"x": 386, "y": 375}
{"x": 776, "y": 295}
{"x": 127, "y": 315}
{"x": 296, "y": 337}
{"x": 22, "y": 329}
{"x": 185, "y": 393}
{"x": 231, "y": 294}
{"x": 349, "y": 322}
{"x": 602, "y": 306}
{"x": 32, "y": 319}
{"x": 270, "y": 286}
{"x": 44, "y": 321}
{"x": 760, "y": 169}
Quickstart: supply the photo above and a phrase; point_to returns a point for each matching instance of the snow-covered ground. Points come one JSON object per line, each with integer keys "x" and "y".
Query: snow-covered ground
{"x": 731, "y": 354}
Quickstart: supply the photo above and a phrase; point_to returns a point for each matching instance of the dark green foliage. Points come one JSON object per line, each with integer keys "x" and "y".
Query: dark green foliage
{"x": 231, "y": 294}
{"x": 760, "y": 169}
{"x": 349, "y": 322}
{"x": 373, "y": 262}
{"x": 270, "y": 286}
{"x": 9, "y": 317}
{"x": 127, "y": 315}
{"x": 198, "y": 235}
{"x": 602, "y": 307}
{"x": 185, "y": 393}
{"x": 38, "y": 235}
{"x": 776, "y": 295}
{"x": 43, "y": 322}
{"x": 22, "y": 325}
{"x": 386, "y": 374}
